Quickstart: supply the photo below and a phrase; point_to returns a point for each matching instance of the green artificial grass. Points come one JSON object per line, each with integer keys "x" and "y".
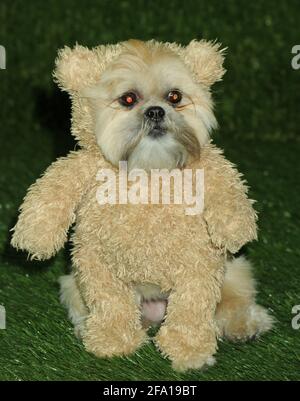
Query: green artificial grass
{"x": 257, "y": 106}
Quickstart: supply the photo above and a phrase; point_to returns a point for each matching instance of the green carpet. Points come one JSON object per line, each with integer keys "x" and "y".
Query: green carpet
{"x": 257, "y": 106}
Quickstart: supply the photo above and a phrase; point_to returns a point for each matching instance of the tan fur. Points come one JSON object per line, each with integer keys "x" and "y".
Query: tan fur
{"x": 238, "y": 316}
{"x": 71, "y": 298}
{"x": 117, "y": 247}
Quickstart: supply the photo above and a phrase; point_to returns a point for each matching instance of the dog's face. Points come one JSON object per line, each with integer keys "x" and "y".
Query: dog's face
{"x": 149, "y": 110}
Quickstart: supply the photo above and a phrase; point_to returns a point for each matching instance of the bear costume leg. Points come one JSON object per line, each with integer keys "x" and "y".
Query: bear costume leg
{"x": 113, "y": 324}
{"x": 188, "y": 335}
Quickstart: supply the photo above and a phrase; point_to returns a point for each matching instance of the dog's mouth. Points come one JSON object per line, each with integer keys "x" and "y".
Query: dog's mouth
{"x": 156, "y": 131}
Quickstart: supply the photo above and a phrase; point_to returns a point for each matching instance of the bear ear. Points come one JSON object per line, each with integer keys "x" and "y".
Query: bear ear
{"x": 205, "y": 60}
{"x": 77, "y": 68}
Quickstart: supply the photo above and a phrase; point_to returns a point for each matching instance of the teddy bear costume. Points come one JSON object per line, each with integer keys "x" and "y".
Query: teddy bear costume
{"x": 116, "y": 247}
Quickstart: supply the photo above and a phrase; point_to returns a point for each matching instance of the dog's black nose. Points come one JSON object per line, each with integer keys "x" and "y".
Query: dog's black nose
{"x": 155, "y": 113}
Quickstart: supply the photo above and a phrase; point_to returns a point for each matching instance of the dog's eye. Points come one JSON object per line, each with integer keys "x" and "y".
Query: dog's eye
{"x": 128, "y": 99}
{"x": 174, "y": 97}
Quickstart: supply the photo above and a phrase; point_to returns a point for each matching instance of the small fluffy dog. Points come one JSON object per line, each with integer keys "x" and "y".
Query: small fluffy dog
{"x": 150, "y": 104}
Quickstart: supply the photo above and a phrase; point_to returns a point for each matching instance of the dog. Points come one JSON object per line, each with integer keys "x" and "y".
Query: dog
{"x": 150, "y": 104}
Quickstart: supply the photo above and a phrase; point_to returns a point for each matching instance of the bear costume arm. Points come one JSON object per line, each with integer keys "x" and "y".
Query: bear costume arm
{"x": 228, "y": 212}
{"x": 49, "y": 207}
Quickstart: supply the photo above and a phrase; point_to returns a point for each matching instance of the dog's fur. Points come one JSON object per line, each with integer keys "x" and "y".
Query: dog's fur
{"x": 150, "y": 261}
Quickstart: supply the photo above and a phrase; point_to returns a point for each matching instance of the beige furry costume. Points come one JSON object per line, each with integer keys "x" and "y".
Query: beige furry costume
{"x": 116, "y": 247}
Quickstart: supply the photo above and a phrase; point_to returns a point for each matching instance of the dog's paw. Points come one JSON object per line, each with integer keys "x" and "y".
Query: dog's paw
{"x": 188, "y": 348}
{"x": 248, "y": 323}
